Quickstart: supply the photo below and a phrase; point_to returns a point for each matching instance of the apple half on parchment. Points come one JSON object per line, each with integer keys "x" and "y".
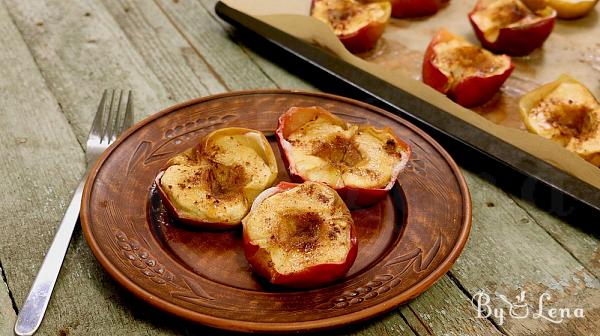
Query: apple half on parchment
{"x": 572, "y": 9}
{"x": 464, "y": 72}
{"x": 510, "y": 27}
{"x": 299, "y": 235}
{"x": 212, "y": 185}
{"x": 360, "y": 162}
{"x": 357, "y": 24}
{"x": 565, "y": 111}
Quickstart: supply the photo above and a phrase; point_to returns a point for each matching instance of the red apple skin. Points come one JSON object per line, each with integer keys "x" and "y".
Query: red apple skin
{"x": 355, "y": 198}
{"x": 415, "y": 8}
{"x": 516, "y": 41}
{"x": 181, "y": 218}
{"x": 471, "y": 91}
{"x": 366, "y": 37}
{"x": 363, "y": 39}
{"x": 310, "y": 277}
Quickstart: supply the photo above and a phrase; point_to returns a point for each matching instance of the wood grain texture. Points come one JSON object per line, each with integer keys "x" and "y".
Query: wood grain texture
{"x": 42, "y": 163}
{"x": 179, "y": 67}
{"x": 282, "y": 78}
{"x": 209, "y": 39}
{"x": 510, "y": 252}
{"x": 8, "y": 315}
{"x": 445, "y": 310}
{"x": 577, "y": 238}
{"x": 81, "y": 50}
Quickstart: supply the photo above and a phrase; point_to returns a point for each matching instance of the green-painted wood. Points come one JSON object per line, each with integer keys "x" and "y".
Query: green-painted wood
{"x": 209, "y": 39}
{"x": 445, "y": 310}
{"x": 7, "y": 313}
{"x": 81, "y": 50}
{"x": 180, "y": 68}
{"x": 43, "y": 161}
{"x": 280, "y": 76}
{"x": 509, "y": 252}
{"x": 580, "y": 238}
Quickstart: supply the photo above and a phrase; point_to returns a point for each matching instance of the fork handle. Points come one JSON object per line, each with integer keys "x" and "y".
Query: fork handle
{"x": 34, "y": 308}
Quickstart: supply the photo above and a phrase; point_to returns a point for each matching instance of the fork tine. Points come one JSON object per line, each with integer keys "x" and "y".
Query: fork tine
{"x": 128, "y": 119}
{"x": 105, "y": 135}
{"x": 96, "y": 129}
{"x": 114, "y": 131}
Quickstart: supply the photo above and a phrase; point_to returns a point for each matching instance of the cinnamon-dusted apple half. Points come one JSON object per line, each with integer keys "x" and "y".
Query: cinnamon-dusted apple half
{"x": 510, "y": 27}
{"x": 466, "y": 73}
{"x": 299, "y": 235}
{"x": 357, "y": 24}
{"x": 213, "y": 184}
{"x": 565, "y": 111}
{"x": 361, "y": 162}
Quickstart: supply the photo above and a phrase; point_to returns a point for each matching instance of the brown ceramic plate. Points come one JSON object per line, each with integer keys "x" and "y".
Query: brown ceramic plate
{"x": 406, "y": 242}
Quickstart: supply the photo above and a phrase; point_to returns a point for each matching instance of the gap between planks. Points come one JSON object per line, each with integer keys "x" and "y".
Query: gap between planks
{"x": 534, "y": 219}
{"x": 470, "y": 296}
{"x": 244, "y": 50}
{"x": 46, "y": 84}
{"x": 10, "y": 294}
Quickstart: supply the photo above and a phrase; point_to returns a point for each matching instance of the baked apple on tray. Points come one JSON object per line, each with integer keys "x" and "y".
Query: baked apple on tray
{"x": 510, "y": 27}
{"x": 360, "y": 162}
{"x": 213, "y": 184}
{"x": 565, "y": 111}
{"x": 466, "y": 73}
{"x": 299, "y": 235}
{"x": 357, "y": 24}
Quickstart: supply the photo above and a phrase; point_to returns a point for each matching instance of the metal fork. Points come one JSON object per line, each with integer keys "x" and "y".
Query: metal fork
{"x": 111, "y": 119}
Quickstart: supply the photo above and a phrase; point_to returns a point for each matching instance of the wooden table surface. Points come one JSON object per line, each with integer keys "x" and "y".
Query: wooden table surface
{"x": 56, "y": 57}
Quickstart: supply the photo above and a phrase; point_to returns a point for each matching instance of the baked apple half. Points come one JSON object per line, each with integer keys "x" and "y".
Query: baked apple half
{"x": 415, "y": 8}
{"x": 565, "y": 111}
{"x": 299, "y": 235}
{"x": 572, "y": 9}
{"x": 466, "y": 73}
{"x": 361, "y": 162}
{"x": 213, "y": 184}
{"x": 510, "y": 27}
{"x": 357, "y": 24}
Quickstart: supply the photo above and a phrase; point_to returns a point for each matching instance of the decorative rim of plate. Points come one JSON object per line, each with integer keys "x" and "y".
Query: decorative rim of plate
{"x": 249, "y": 326}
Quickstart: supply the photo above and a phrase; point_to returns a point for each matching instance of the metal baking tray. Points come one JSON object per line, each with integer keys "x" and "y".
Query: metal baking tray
{"x": 528, "y": 175}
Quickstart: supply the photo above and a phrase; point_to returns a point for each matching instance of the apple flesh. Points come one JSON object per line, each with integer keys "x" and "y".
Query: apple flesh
{"x": 300, "y": 235}
{"x": 213, "y": 184}
{"x": 466, "y": 73}
{"x": 510, "y": 27}
{"x": 361, "y": 162}
{"x": 565, "y": 111}
{"x": 358, "y": 25}
{"x": 415, "y": 8}
{"x": 572, "y": 9}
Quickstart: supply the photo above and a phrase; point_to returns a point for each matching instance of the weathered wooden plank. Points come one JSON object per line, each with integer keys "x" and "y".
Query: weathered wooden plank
{"x": 81, "y": 51}
{"x": 42, "y": 160}
{"x": 388, "y": 325}
{"x": 280, "y": 76}
{"x": 508, "y": 252}
{"x": 184, "y": 73}
{"x": 210, "y": 40}
{"x": 7, "y": 313}
{"x": 445, "y": 310}
{"x": 577, "y": 238}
